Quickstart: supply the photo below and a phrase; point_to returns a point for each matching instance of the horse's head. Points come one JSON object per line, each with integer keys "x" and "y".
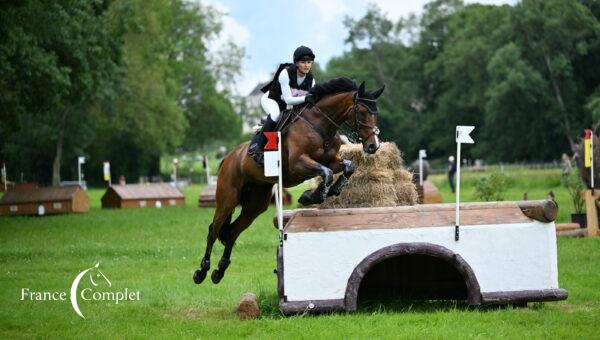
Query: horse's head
{"x": 97, "y": 276}
{"x": 364, "y": 117}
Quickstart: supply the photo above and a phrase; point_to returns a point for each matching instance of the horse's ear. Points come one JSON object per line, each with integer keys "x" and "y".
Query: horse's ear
{"x": 361, "y": 90}
{"x": 378, "y": 92}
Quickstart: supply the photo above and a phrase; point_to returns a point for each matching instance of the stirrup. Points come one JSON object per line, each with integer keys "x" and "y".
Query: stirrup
{"x": 252, "y": 149}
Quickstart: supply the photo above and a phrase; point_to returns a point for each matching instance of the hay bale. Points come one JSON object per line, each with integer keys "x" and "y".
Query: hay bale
{"x": 406, "y": 191}
{"x": 365, "y": 189}
{"x": 387, "y": 157}
{"x": 380, "y": 180}
{"x": 248, "y": 307}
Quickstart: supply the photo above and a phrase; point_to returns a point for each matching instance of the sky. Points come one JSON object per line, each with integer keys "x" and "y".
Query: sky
{"x": 270, "y": 31}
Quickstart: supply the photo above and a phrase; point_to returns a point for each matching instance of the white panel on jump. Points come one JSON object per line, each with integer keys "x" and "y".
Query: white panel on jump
{"x": 507, "y": 257}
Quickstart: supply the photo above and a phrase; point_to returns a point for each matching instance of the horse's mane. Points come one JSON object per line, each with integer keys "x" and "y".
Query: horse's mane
{"x": 333, "y": 86}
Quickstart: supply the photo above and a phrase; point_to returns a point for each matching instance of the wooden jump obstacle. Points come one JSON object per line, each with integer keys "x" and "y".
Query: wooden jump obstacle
{"x": 591, "y": 228}
{"x": 208, "y": 196}
{"x": 44, "y": 201}
{"x": 327, "y": 259}
{"x": 428, "y": 193}
{"x": 142, "y": 195}
{"x": 591, "y": 211}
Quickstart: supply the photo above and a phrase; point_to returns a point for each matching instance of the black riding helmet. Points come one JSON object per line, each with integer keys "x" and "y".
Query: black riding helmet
{"x": 303, "y": 52}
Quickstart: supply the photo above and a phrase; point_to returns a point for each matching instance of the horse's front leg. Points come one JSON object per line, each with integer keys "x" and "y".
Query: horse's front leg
{"x": 310, "y": 168}
{"x": 347, "y": 169}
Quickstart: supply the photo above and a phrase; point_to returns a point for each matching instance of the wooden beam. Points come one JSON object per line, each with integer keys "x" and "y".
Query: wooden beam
{"x": 543, "y": 211}
{"x": 417, "y": 216}
{"x": 591, "y": 212}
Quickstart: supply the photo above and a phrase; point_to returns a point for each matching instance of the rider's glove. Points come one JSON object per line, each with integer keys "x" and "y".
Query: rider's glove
{"x": 310, "y": 99}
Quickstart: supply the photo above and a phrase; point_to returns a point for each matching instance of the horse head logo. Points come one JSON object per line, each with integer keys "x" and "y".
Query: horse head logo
{"x": 96, "y": 277}
{"x": 99, "y": 275}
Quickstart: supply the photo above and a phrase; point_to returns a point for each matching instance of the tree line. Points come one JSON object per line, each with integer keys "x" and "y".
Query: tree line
{"x": 121, "y": 80}
{"x": 130, "y": 80}
{"x": 526, "y": 76}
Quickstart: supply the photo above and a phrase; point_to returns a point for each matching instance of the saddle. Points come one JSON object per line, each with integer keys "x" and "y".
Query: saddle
{"x": 286, "y": 119}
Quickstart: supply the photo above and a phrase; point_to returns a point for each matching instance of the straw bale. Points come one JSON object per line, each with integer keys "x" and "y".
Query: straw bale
{"x": 380, "y": 180}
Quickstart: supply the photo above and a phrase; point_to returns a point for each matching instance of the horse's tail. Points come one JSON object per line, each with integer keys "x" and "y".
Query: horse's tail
{"x": 225, "y": 229}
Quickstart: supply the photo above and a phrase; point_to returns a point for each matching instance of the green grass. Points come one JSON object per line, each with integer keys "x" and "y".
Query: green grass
{"x": 156, "y": 251}
{"x": 536, "y": 183}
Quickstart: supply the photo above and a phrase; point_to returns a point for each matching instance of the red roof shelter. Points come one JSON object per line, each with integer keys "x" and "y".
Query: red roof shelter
{"x": 43, "y": 201}
{"x": 142, "y": 195}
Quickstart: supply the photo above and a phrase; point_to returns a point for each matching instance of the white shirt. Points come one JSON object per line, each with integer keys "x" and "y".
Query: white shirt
{"x": 289, "y": 96}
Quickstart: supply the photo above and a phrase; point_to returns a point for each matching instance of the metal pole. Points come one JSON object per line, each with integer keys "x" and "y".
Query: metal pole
{"x": 420, "y": 169}
{"x": 280, "y": 185}
{"x": 458, "y": 161}
{"x": 79, "y": 171}
{"x": 592, "y": 165}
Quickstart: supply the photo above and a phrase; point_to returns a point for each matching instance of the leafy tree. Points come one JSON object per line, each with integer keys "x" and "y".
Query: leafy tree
{"x": 555, "y": 33}
{"x": 52, "y": 74}
{"x": 525, "y": 75}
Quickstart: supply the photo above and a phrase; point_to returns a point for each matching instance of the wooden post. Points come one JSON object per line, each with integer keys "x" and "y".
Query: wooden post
{"x": 591, "y": 212}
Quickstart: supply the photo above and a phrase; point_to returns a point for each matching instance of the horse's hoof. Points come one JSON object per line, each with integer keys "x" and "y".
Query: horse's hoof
{"x": 333, "y": 193}
{"x": 216, "y": 276}
{"x": 199, "y": 276}
{"x": 306, "y": 199}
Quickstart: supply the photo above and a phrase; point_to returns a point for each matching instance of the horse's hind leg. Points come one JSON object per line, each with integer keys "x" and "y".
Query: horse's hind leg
{"x": 221, "y": 219}
{"x": 255, "y": 200}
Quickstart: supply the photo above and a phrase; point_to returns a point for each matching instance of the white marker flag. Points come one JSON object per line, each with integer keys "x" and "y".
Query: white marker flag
{"x": 272, "y": 163}
{"x": 272, "y": 154}
{"x": 462, "y": 135}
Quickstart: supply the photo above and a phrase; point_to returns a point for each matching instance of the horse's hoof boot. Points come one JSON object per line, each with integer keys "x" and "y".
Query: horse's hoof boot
{"x": 199, "y": 276}
{"x": 216, "y": 276}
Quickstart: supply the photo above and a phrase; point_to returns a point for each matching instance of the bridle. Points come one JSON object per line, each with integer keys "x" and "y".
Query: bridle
{"x": 357, "y": 123}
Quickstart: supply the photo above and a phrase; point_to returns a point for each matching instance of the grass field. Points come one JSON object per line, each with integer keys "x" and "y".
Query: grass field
{"x": 156, "y": 251}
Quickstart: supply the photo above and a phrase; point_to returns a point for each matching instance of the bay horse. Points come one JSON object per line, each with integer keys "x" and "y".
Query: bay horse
{"x": 310, "y": 148}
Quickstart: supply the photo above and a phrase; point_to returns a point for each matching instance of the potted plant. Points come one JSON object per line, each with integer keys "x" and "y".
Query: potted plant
{"x": 575, "y": 187}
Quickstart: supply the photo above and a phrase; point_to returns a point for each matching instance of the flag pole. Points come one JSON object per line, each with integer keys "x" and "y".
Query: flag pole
{"x": 457, "y": 222}
{"x": 280, "y": 185}
{"x": 462, "y": 136}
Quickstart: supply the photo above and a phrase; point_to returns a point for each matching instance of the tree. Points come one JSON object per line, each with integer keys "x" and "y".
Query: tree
{"x": 52, "y": 75}
{"x": 555, "y": 33}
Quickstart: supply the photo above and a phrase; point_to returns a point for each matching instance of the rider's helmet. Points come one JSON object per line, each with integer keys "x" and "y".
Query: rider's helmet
{"x": 303, "y": 53}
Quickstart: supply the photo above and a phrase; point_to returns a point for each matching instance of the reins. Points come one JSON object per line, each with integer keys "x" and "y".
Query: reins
{"x": 357, "y": 123}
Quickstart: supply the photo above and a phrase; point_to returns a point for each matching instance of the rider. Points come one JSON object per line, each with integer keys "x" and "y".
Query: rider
{"x": 287, "y": 88}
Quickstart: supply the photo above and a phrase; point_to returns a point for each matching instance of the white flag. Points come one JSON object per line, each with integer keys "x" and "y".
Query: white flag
{"x": 462, "y": 134}
{"x": 271, "y": 163}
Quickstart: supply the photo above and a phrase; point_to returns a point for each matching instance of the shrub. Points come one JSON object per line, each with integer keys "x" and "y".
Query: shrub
{"x": 575, "y": 187}
{"x": 492, "y": 188}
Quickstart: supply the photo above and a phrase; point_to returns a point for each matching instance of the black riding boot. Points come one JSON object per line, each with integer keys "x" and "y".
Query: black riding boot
{"x": 258, "y": 142}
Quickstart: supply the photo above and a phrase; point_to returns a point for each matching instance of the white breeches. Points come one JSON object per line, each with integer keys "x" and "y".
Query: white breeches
{"x": 270, "y": 106}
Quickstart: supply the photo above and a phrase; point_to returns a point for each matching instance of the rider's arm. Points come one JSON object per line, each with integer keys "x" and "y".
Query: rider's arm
{"x": 286, "y": 91}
